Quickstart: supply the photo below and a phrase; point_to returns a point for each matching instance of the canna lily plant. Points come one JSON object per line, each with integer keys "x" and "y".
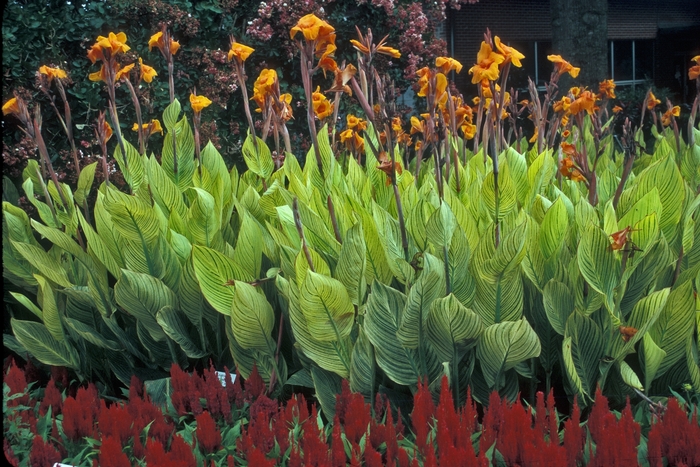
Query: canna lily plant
{"x": 397, "y": 257}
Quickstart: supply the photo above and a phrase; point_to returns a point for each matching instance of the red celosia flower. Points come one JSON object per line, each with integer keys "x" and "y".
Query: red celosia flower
{"x": 52, "y": 398}
{"x": 9, "y": 453}
{"x": 616, "y": 440}
{"x": 80, "y": 413}
{"x": 56, "y": 437}
{"x": 258, "y": 459}
{"x": 337, "y": 446}
{"x": 403, "y": 458}
{"x": 115, "y": 421}
{"x": 208, "y": 434}
{"x": 552, "y": 418}
{"x": 234, "y": 391}
{"x": 373, "y": 458}
{"x": 214, "y": 393}
{"x": 254, "y": 385}
{"x": 17, "y": 383}
{"x": 574, "y": 437}
{"x": 493, "y": 419}
{"x": 185, "y": 397}
{"x": 313, "y": 446}
{"x": 43, "y": 453}
{"x": 675, "y": 438}
{"x": 353, "y": 413}
{"x": 182, "y": 452}
{"x": 155, "y": 453}
{"x": 230, "y": 463}
{"x": 111, "y": 454}
{"x": 422, "y": 415}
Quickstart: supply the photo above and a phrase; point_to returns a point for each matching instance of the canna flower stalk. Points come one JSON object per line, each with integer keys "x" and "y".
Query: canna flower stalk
{"x": 198, "y": 103}
{"x": 318, "y": 43}
{"x": 239, "y": 53}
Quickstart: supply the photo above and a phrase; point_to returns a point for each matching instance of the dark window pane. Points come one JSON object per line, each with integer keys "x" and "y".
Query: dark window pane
{"x": 622, "y": 61}
{"x": 644, "y": 63}
{"x": 518, "y": 76}
{"x": 544, "y": 66}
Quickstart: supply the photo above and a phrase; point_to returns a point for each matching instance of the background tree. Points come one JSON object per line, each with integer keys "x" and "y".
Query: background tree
{"x": 580, "y": 34}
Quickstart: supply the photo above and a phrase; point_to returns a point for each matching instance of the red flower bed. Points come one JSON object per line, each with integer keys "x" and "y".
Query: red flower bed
{"x": 208, "y": 424}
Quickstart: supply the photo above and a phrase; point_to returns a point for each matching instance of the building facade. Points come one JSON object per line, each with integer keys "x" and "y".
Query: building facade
{"x": 649, "y": 41}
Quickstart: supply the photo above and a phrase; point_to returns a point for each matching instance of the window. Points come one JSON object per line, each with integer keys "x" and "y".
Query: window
{"x": 631, "y": 62}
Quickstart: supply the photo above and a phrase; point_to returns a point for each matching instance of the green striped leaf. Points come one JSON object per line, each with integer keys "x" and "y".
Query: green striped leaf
{"x": 674, "y": 325}
{"x": 452, "y": 328}
{"x": 131, "y": 166}
{"x": 214, "y": 272}
{"x": 558, "y": 304}
{"x": 248, "y": 252}
{"x": 252, "y": 318}
{"x": 259, "y": 160}
{"x": 327, "y": 307}
{"x": 382, "y": 318}
{"x": 92, "y": 336}
{"x": 142, "y": 296}
{"x": 642, "y": 318}
{"x": 582, "y": 349}
{"x": 429, "y": 286}
{"x": 44, "y": 263}
{"x": 50, "y": 314}
{"x": 352, "y": 263}
{"x": 85, "y": 180}
{"x": 329, "y": 355}
{"x": 598, "y": 264}
{"x": 441, "y": 225}
{"x": 42, "y": 345}
{"x": 174, "y": 326}
{"x": 553, "y": 229}
{"x": 164, "y": 190}
{"x": 362, "y": 368}
{"x": 203, "y": 220}
{"x": 132, "y": 218}
{"x": 502, "y": 346}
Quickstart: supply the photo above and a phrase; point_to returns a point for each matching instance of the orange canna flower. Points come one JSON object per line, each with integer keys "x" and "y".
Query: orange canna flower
{"x": 694, "y": 71}
{"x": 239, "y": 51}
{"x": 321, "y": 105}
{"x": 562, "y": 105}
{"x": 585, "y": 101}
{"x": 561, "y": 66}
{"x": 147, "y": 73}
{"x": 386, "y": 166}
{"x": 440, "y": 89}
{"x": 199, "y": 102}
{"x": 114, "y": 42}
{"x": 487, "y": 62}
{"x": 620, "y": 238}
{"x": 157, "y": 40}
{"x": 568, "y": 148}
{"x": 107, "y": 131}
{"x": 11, "y": 107}
{"x": 418, "y": 146}
{"x": 509, "y": 52}
{"x": 468, "y": 129}
{"x": 52, "y": 73}
{"x": 327, "y": 64}
{"x": 627, "y": 332}
{"x": 123, "y": 72}
{"x": 356, "y": 123}
{"x": 666, "y": 117}
{"x": 312, "y": 27}
{"x": 569, "y": 170}
{"x": 607, "y": 87}
{"x": 390, "y": 51}
{"x": 652, "y": 101}
{"x": 565, "y": 134}
{"x": 417, "y": 126}
{"x": 535, "y": 135}
{"x": 617, "y": 109}
{"x": 100, "y": 75}
{"x": 447, "y": 64}
{"x": 150, "y": 128}
{"x": 359, "y": 46}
